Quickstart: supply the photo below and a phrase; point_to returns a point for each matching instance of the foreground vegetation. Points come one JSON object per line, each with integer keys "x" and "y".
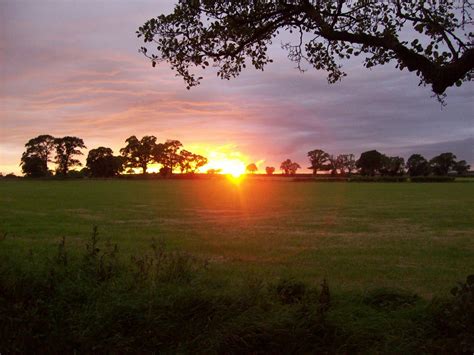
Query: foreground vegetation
{"x": 166, "y": 301}
{"x": 216, "y": 266}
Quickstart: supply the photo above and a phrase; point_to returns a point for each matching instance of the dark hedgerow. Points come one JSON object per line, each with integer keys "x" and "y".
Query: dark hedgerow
{"x": 361, "y": 178}
{"x": 432, "y": 179}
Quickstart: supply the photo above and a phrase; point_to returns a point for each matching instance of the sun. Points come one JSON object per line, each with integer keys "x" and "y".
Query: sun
{"x": 232, "y": 167}
{"x": 224, "y": 160}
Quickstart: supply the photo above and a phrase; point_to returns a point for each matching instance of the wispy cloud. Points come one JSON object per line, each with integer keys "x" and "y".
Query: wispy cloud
{"x": 72, "y": 68}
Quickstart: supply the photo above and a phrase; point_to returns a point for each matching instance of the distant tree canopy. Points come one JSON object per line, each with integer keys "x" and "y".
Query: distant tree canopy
{"x": 189, "y": 162}
{"x": 322, "y": 161}
{"x": 417, "y": 165}
{"x": 461, "y": 167}
{"x": 197, "y": 162}
{"x": 392, "y": 166}
{"x": 429, "y": 38}
{"x": 140, "y": 153}
{"x": 370, "y": 162}
{"x": 34, "y": 161}
{"x": 66, "y": 150}
{"x": 251, "y": 168}
{"x": 170, "y": 155}
{"x": 318, "y": 159}
{"x": 269, "y": 170}
{"x": 348, "y": 163}
{"x": 335, "y": 164}
{"x": 289, "y": 167}
{"x": 443, "y": 163}
{"x": 101, "y": 162}
{"x": 33, "y": 166}
{"x": 373, "y": 162}
{"x": 185, "y": 161}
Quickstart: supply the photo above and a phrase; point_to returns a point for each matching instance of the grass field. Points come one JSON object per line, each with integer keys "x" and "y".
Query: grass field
{"x": 418, "y": 237}
{"x": 241, "y": 269}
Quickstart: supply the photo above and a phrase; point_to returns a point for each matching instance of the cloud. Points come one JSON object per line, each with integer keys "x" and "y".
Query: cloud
{"x": 463, "y": 149}
{"x": 72, "y": 68}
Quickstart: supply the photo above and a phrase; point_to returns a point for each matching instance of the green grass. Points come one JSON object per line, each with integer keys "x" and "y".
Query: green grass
{"x": 249, "y": 279}
{"x": 417, "y": 236}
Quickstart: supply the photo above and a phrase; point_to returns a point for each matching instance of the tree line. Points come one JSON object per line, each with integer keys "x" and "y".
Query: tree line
{"x": 101, "y": 161}
{"x": 139, "y": 153}
{"x": 372, "y": 163}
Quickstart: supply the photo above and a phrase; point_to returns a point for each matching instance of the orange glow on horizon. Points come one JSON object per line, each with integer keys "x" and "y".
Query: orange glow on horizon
{"x": 227, "y": 166}
{"x": 223, "y": 159}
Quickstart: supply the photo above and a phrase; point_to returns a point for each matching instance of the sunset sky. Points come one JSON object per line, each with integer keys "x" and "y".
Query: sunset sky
{"x": 73, "y": 68}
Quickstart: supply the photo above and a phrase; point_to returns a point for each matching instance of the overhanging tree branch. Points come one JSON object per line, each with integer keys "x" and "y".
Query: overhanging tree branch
{"x": 230, "y": 33}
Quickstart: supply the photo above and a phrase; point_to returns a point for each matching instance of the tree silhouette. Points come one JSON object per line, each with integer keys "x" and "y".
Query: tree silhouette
{"x": 392, "y": 166}
{"x": 198, "y": 162}
{"x": 140, "y": 153}
{"x": 168, "y": 154}
{"x": 102, "y": 163}
{"x": 348, "y": 163}
{"x": 184, "y": 161}
{"x": 34, "y": 161}
{"x": 285, "y": 166}
{"x": 370, "y": 162}
{"x": 335, "y": 164}
{"x": 189, "y": 162}
{"x": 461, "y": 167}
{"x": 269, "y": 170}
{"x": 428, "y": 38}
{"x": 33, "y": 166}
{"x": 443, "y": 163}
{"x": 293, "y": 168}
{"x": 66, "y": 148}
{"x": 289, "y": 168}
{"x": 251, "y": 168}
{"x": 318, "y": 159}
{"x": 417, "y": 165}
{"x": 165, "y": 171}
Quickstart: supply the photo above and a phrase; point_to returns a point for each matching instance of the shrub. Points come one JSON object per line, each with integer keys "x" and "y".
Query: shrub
{"x": 290, "y": 291}
{"x": 101, "y": 263}
{"x": 166, "y": 266}
{"x": 455, "y": 319}
{"x": 390, "y": 299}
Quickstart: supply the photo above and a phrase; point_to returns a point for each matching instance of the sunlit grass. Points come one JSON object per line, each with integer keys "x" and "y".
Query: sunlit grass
{"x": 417, "y": 236}
{"x": 235, "y": 178}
